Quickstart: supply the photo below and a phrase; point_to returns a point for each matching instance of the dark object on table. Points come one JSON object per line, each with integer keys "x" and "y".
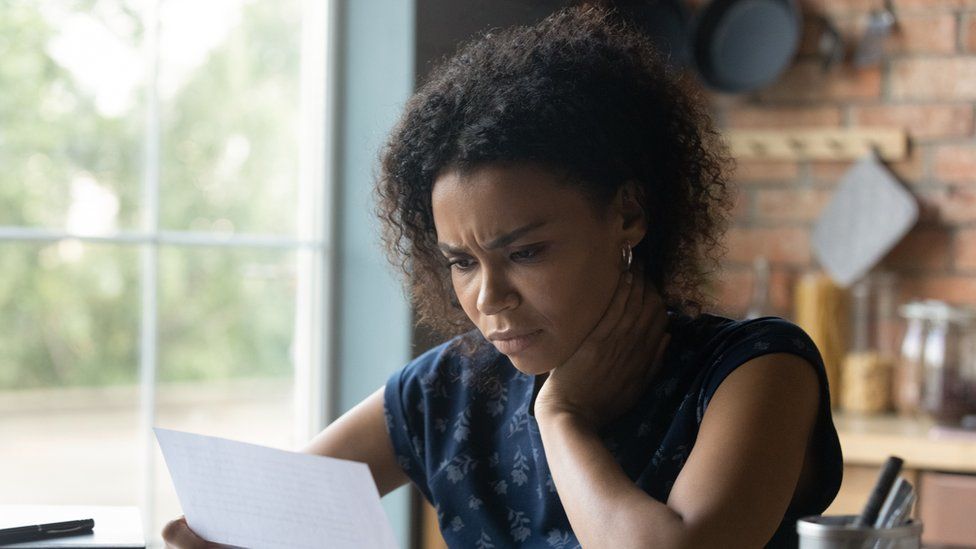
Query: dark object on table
{"x": 897, "y": 506}
{"x": 118, "y": 527}
{"x": 889, "y": 472}
{"x": 33, "y": 532}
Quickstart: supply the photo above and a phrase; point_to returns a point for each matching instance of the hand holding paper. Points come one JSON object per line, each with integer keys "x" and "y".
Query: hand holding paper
{"x": 253, "y": 496}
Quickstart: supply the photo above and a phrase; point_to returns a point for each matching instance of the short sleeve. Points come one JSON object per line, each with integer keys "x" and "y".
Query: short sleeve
{"x": 749, "y": 339}
{"x": 404, "y": 405}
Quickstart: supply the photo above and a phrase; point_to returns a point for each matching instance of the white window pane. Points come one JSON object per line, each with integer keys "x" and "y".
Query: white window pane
{"x": 69, "y": 421}
{"x": 71, "y": 114}
{"x": 72, "y": 133}
{"x": 229, "y": 93}
{"x": 225, "y": 313}
{"x": 226, "y": 327}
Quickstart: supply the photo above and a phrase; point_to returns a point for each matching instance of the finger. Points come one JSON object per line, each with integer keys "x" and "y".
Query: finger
{"x": 177, "y": 534}
{"x": 611, "y": 316}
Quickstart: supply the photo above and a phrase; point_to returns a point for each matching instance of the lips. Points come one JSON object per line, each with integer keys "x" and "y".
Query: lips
{"x": 512, "y": 344}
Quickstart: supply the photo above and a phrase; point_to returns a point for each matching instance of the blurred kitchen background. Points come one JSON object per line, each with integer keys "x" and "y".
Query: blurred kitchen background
{"x": 186, "y": 237}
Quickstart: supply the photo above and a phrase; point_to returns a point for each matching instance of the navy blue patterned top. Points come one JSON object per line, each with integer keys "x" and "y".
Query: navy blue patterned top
{"x": 462, "y": 430}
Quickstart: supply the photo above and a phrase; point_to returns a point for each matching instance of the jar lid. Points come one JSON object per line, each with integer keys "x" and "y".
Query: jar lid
{"x": 929, "y": 309}
{"x": 912, "y": 310}
{"x": 938, "y": 311}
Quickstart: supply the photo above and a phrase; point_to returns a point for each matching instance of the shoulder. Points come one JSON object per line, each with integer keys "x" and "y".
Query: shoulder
{"x": 763, "y": 415}
{"x": 739, "y": 341}
{"x": 710, "y": 337}
{"x": 719, "y": 333}
{"x": 768, "y": 371}
{"x": 722, "y": 345}
{"x": 771, "y": 384}
{"x": 751, "y": 446}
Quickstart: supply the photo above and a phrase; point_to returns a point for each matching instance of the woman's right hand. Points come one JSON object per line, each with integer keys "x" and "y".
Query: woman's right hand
{"x": 616, "y": 362}
{"x": 177, "y": 535}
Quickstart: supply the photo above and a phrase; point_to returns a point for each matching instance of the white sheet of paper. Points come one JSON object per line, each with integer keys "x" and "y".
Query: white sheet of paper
{"x": 252, "y": 496}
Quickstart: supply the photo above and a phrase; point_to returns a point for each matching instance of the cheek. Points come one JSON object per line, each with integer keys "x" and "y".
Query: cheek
{"x": 583, "y": 295}
{"x": 467, "y": 293}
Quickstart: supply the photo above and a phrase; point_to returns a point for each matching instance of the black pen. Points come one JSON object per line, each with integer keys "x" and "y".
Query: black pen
{"x": 44, "y": 531}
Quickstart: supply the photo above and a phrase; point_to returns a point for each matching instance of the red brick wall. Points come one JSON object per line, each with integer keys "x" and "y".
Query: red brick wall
{"x": 927, "y": 84}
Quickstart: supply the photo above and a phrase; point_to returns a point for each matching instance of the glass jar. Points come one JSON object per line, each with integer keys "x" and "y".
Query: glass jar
{"x": 867, "y": 368}
{"x": 949, "y": 364}
{"x": 907, "y": 383}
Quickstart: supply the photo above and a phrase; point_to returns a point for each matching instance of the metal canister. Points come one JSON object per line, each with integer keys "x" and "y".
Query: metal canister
{"x": 838, "y": 532}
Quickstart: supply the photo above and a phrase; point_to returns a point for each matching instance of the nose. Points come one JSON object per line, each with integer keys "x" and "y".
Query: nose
{"x": 496, "y": 293}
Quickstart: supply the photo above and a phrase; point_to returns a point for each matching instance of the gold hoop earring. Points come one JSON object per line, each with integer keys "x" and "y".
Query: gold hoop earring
{"x": 628, "y": 255}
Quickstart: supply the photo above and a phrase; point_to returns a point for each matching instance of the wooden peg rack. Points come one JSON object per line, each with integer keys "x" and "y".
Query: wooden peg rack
{"x": 818, "y": 143}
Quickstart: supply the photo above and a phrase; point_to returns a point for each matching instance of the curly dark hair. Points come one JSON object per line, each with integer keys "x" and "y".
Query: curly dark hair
{"x": 581, "y": 93}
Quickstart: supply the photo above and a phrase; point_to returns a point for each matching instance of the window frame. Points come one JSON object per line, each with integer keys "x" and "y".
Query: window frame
{"x": 313, "y": 243}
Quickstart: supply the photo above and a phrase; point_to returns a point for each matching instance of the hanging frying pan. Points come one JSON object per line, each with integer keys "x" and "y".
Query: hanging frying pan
{"x": 742, "y": 45}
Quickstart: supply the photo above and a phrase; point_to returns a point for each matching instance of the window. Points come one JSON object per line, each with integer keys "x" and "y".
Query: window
{"x": 163, "y": 238}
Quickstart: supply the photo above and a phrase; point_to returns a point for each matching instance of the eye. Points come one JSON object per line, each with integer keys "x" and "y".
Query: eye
{"x": 460, "y": 264}
{"x": 528, "y": 253}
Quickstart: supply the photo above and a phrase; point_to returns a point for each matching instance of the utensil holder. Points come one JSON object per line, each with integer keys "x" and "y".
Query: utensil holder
{"x": 837, "y": 532}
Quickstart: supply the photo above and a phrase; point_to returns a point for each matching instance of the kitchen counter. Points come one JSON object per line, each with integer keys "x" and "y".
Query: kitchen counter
{"x": 939, "y": 462}
{"x": 869, "y": 440}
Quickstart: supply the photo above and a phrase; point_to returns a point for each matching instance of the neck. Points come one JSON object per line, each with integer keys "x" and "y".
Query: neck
{"x": 539, "y": 380}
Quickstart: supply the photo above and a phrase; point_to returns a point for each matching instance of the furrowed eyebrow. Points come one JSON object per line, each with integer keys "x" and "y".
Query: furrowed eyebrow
{"x": 500, "y": 242}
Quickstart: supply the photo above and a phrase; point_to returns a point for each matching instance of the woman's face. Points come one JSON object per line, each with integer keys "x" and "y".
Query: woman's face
{"x": 531, "y": 257}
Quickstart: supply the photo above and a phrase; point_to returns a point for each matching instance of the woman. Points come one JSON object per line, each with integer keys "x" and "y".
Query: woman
{"x": 555, "y": 197}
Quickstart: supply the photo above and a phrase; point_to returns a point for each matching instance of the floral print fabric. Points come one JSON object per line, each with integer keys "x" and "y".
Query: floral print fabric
{"x": 461, "y": 429}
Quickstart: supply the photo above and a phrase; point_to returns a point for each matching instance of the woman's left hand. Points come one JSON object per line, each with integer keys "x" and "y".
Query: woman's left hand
{"x": 616, "y": 362}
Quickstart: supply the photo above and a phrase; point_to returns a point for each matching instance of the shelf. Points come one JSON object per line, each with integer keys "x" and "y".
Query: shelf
{"x": 831, "y": 144}
{"x": 869, "y": 440}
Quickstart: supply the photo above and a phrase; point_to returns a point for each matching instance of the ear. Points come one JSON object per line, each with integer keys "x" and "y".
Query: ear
{"x": 630, "y": 216}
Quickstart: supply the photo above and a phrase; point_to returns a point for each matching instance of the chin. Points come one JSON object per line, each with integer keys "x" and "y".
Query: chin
{"x": 542, "y": 355}
{"x": 530, "y": 367}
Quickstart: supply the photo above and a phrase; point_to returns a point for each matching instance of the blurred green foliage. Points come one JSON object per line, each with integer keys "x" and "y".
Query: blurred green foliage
{"x": 70, "y": 312}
